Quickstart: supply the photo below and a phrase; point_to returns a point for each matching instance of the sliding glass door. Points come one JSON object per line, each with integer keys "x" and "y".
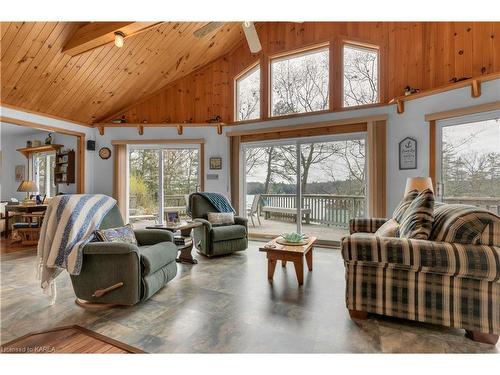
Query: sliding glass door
{"x": 308, "y": 185}
{"x": 469, "y": 161}
{"x": 160, "y": 180}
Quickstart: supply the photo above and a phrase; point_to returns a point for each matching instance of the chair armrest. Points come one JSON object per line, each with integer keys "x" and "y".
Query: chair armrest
{"x": 365, "y": 225}
{"x": 241, "y": 221}
{"x": 109, "y": 248}
{"x": 205, "y": 223}
{"x": 480, "y": 262}
{"x": 153, "y": 236}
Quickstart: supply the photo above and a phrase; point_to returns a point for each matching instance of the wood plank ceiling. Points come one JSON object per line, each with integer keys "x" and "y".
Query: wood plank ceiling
{"x": 36, "y": 75}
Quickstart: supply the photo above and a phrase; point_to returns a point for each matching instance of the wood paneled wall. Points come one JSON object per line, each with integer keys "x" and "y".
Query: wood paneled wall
{"x": 419, "y": 54}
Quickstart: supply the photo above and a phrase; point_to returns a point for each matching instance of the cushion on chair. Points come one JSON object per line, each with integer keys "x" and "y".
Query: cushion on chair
{"x": 228, "y": 232}
{"x": 465, "y": 224}
{"x": 156, "y": 256}
{"x": 472, "y": 261}
{"x": 123, "y": 234}
{"x": 418, "y": 217}
{"x": 403, "y": 205}
{"x": 389, "y": 229}
{"x": 221, "y": 218}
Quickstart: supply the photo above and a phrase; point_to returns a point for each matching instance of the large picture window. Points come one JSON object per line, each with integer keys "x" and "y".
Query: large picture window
{"x": 248, "y": 95}
{"x": 299, "y": 83}
{"x": 360, "y": 75}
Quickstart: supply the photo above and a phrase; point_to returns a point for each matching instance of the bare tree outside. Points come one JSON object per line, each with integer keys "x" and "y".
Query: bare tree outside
{"x": 300, "y": 83}
{"x": 248, "y": 95}
{"x": 360, "y": 76}
{"x": 471, "y": 160}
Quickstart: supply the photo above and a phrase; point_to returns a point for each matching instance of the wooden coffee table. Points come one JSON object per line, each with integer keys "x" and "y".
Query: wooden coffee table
{"x": 285, "y": 253}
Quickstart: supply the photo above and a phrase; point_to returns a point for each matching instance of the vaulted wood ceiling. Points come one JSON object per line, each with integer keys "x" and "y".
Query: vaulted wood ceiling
{"x": 36, "y": 75}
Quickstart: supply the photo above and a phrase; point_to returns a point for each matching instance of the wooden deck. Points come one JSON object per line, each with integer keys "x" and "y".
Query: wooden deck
{"x": 272, "y": 228}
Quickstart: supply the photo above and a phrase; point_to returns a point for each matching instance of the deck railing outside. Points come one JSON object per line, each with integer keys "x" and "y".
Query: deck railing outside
{"x": 326, "y": 209}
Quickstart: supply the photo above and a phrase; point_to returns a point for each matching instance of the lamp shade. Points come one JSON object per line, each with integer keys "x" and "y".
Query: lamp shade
{"x": 27, "y": 186}
{"x": 419, "y": 184}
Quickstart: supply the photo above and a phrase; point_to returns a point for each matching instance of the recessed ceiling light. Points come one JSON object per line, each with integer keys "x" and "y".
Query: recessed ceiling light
{"x": 119, "y": 39}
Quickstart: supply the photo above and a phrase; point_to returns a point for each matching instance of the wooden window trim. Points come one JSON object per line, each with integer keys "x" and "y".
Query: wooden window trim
{"x": 120, "y": 164}
{"x": 376, "y": 129}
{"x": 313, "y": 125}
{"x": 157, "y": 141}
{"x": 365, "y": 46}
{"x": 458, "y": 112}
{"x": 304, "y": 51}
{"x": 243, "y": 74}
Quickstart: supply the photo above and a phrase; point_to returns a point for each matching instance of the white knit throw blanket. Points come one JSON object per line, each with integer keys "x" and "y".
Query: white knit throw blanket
{"x": 69, "y": 223}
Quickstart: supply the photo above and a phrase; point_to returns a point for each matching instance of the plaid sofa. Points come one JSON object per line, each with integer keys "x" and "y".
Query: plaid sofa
{"x": 452, "y": 279}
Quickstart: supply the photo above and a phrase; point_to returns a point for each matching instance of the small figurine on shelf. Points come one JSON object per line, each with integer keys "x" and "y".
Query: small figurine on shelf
{"x": 410, "y": 90}
{"x": 48, "y": 140}
{"x": 29, "y": 144}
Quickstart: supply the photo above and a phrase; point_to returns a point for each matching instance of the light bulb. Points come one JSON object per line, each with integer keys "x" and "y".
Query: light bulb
{"x": 119, "y": 39}
{"x": 246, "y": 24}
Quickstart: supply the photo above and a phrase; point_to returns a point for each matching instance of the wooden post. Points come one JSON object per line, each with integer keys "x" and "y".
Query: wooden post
{"x": 475, "y": 88}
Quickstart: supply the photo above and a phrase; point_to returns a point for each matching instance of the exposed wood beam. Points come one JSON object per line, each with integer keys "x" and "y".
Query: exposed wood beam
{"x": 97, "y": 34}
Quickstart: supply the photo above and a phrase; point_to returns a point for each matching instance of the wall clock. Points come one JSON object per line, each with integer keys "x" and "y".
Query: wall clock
{"x": 105, "y": 153}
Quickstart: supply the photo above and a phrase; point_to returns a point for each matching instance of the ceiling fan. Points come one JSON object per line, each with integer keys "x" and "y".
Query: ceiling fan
{"x": 248, "y": 28}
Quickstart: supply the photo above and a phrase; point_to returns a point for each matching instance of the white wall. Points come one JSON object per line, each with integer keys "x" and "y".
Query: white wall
{"x": 89, "y": 133}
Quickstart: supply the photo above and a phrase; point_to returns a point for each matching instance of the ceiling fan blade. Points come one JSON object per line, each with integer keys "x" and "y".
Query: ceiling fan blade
{"x": 207, "y": 29}
{"x": 252, "y": 37}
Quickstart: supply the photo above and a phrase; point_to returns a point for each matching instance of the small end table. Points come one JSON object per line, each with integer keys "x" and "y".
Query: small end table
{"x": 185, "y": 227}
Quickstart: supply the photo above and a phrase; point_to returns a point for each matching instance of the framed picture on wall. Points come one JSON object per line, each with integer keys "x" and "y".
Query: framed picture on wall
{"x": 216, "y": 162}
{"x": 19, "y": 172}
{"x": 408, "y": 153}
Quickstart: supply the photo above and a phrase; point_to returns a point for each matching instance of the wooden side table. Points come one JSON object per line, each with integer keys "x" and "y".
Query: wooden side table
{"x": 295, "y": 254}
{"x": 185, "y": 255}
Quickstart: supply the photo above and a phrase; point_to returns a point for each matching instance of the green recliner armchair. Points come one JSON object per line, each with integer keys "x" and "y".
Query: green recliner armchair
{"x": 143, "y": 269}
{"x": 211, "y": 240}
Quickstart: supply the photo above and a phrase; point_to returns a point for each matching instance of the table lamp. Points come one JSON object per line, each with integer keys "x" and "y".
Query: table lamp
{"x": 27, "y": 186}
{"x": 419, "y": 184}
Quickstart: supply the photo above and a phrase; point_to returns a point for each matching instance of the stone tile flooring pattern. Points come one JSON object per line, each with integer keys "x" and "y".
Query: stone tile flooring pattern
{"x": 225, "y": 305}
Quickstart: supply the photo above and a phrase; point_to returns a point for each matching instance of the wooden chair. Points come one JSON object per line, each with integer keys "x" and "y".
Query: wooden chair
{"x": 254, "y": 209}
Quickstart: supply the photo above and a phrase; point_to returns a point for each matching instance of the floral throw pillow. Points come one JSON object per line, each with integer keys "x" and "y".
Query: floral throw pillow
{"x": 121, "y": 234}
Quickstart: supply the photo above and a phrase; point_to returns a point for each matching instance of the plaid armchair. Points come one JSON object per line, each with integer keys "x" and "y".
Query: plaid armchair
{"x": 452, "y": 279}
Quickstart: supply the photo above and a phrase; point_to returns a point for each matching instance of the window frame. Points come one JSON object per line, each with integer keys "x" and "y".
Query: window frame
{"x": 242, "y": 75}
{"x": 446, "y": 123}
{"x": 359, "y": 46}
{"x": 309, "y": 50}
{"x": 160, "y": 148}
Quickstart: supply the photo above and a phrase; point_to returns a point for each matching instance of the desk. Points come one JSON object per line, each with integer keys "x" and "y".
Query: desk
{"x": 21, "y": 208}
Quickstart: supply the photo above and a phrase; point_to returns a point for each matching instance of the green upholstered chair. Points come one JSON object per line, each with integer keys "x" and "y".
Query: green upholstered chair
{"x": 143, "y": 269}
{"x": 213, "y": 240}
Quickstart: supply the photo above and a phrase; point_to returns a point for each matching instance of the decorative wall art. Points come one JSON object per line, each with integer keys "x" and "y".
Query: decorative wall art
{"x": 19, "y": 172}
{"x": 408, "y": 153}
{"x": 216, "y": 163}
